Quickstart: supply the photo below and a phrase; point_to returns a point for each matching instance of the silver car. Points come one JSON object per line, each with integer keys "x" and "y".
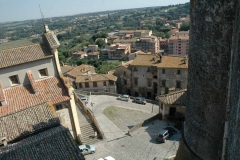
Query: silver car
{"x": 123, "y": 97}
{"x": 87, "y": 149}
{"x": 139, "y": 100}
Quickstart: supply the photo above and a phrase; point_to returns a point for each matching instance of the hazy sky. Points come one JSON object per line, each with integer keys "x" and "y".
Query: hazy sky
{"x": 17, "y": 10}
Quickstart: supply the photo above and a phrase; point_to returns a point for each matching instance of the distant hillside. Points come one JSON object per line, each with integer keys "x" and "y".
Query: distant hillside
{"x": 93, "y": 22}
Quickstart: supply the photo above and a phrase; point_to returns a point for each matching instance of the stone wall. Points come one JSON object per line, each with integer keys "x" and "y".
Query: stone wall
{"x": 211, "y": 31}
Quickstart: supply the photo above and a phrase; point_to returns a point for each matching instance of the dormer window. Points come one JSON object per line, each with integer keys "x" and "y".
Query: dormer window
{"x": 14, "y": 80}
{"x": 43, "y": 72}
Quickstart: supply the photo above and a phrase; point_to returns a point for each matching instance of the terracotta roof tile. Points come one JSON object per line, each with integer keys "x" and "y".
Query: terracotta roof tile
{"x": 66, "y": 68}
{"x": 79, "y": 53}
{"x": 27, "y": 121}
{"x": 126, "y": 64}
{"x": 21, "y": 97}
{"x": 19, "y": 55}
{"x": 79, "y": 70}
{"x": 95, "y": 78}
{"x": 1, "y": 94}
{"x": 167, "y": 61}
{"x": 175, "y": 98}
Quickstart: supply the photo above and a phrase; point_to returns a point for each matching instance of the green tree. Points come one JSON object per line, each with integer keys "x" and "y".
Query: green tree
{"x": 185, "y": 26}
{"x": 100, "y": 43}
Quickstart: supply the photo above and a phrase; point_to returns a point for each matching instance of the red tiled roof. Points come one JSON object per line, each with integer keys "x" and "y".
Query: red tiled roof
{"x": 19, "y": 55}
{"x": 1, "y": 94}
{"x": 79, "y": 53}
{"x": 21, "y": 97}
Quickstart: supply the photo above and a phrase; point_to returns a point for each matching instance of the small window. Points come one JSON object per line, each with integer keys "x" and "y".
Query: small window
{"x": 94, "y": 84}
{"x": 163, "y": 71}
{"x": 163, "y": 83}
{"x": 86, "y": 85}
{"x": 136, "y": 81}
{"x": 14, "y": 79}
{"x": 80, "y": 85}
{"x": 178, "y": 84}
{"x": 43, "y": 72}
{"x": 135, "y": 69}
{"x": 124, "y": 73}
{"x": 178, "y": 71}
{"x": 125, "y": 82}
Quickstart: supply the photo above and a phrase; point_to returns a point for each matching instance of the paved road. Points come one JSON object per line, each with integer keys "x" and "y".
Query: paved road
{"x": 100, "y": 102}
{"x": 141, "y": 145}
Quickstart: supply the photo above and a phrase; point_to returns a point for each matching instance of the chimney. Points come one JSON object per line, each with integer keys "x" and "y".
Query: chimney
{"x": 46, "y": 28}
{"x": 89, "y": 77}
{"x": 4, "y": 141}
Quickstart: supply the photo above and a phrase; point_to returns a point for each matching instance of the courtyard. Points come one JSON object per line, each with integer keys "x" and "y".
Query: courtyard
{"x": 116, "y": 118}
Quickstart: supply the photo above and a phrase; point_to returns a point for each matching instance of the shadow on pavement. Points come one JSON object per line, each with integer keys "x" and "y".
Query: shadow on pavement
{"x": 153, "y": 128}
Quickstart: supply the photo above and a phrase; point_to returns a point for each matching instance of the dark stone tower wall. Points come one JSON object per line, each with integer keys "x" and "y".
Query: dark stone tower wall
{"x": 233, "y": 142}
{"x": 209, "y": 64}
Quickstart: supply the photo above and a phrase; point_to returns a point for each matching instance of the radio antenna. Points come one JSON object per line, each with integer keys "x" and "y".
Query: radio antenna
{"x": 42, "y": 15}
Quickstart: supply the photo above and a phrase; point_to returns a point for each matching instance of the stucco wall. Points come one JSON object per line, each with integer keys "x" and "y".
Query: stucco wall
{"x": 99, "y": 88}
{"x": 171, "y": 77}
{"x": 22, "y": 69}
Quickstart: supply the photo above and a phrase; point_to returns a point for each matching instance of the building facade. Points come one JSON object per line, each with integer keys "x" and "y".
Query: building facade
{"x": 124, "y": 81}
{"x": 179, "y": 43}
{"x": 97, "y": 83}
{"x": 148, "y": 44}
{"x": 153, "y": 75}
{"x": 79, "y": 55}
{"x": 118, "y": 51}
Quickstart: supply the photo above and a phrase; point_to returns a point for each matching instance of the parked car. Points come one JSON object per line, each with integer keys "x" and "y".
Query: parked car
{"x": 84, "y": 100}
{"x": 87, "y": 149}
{"x": 107, "y": 158}
{"x": 139, "y": 100}
{"x": 123, "y": 97}
{"x": 171, "y": 130}
{"x": 165, "y": 133}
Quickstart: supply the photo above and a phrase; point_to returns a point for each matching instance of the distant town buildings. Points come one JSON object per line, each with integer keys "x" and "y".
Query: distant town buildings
{"x": 79, "y": 55}
{"x": 93, "y": 55}
{"x": 135, "y": 33}
{"x": 92, "y": 48}
{"x": 179, "y": 43}
{"x": 3, "y": 41}
{"x": 118, "y": 51}
{"x": 148, "y": 44}
{"x": 163, "y": 42}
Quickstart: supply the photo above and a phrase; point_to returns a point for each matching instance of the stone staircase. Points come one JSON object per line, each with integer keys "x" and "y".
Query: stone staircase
{"x": 88, "y": 134}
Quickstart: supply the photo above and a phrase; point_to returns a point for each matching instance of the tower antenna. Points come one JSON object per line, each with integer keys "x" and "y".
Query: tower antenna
{"x": 42, "y": 15}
